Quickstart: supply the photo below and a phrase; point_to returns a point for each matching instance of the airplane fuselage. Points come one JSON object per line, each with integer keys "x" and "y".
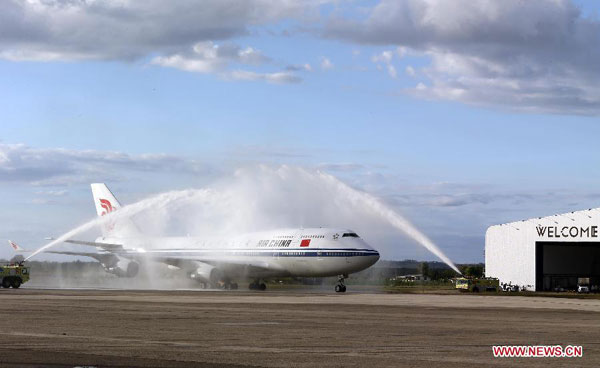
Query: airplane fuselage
{"x": 314, "y": 252}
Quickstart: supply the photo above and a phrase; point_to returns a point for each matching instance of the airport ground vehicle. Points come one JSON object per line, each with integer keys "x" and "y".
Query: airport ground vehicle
{"x": 583, "y": 285}
{"x": 583, "y": 289}
{"x": 509, "y": 287}
{"x": 476, "y": 285}
{"x": 13, "y": 275}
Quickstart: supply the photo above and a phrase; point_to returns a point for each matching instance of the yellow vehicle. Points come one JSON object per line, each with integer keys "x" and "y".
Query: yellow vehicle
{"x": 13, "y": 275}
{"x": 476, "y": 285}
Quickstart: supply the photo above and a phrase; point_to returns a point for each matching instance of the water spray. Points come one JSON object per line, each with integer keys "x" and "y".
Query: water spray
{"x": 259, "y": 198}
{"x": 155, "y": 202}
{"x": 393, "y": 217}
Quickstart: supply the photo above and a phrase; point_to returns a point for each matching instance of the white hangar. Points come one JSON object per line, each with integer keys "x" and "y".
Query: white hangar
{"x": 546, "y": 253}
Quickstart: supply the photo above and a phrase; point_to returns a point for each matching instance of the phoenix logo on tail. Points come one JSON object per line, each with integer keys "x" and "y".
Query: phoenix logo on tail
{"x": 108, "y": 208}
{"x": 15, "y": 245}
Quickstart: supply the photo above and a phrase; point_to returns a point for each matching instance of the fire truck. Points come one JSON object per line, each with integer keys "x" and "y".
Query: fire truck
{"x": 13, "y": 275}
{"x": 476, "y": 285}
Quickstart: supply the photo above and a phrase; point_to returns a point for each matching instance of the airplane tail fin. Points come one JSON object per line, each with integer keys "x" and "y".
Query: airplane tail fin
{"x": 106, "y": 203}
{"x": 16, "y": 247}
{"x": 104, "y": 200}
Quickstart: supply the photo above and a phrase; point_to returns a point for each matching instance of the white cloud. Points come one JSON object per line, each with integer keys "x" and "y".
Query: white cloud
{"x": 179, "y": 34}
{"x": 189, "y": 64}
{"x": 40, "y": 55}
{"x": 326, "y": 64}
{"x": 3, "y": 158}
{"x": 59, "y": 166}
{"x": 341, "y": 167}
{"x": 402, "y": 51}
{"x": 42, "y": 201}
{"x": 277, "y": 78}
{"x": 296, "y": 68}
{"x": 52, "y": 193}
{"x": 251, "y": 56}
{"x": 392, "y": 71}
{"x": 385, "y": 57}
{"x": 536, "y": 55}
{"x": 131, "y": 29}
{"x": 208, "y": 57}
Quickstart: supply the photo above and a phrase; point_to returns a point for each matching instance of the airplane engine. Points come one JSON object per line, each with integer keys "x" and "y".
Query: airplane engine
{"x": 207, "y": 273}
{"x": 123, "y": 267}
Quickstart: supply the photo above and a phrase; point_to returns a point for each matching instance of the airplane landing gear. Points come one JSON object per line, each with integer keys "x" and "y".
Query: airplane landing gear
{"x": 340, "y": 287}
{"x": 257, "y": 285}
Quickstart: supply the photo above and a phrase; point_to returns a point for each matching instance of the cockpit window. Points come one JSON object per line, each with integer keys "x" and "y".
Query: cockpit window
{"x": 350, "y": 235}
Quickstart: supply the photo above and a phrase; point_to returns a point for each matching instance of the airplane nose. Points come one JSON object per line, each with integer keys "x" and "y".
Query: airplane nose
{"x": 374, "y": 257}
{"x": 374, "y": 251}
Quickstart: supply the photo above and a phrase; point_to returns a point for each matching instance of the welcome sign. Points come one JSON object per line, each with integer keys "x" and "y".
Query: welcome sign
{"x": 567, "y": 231}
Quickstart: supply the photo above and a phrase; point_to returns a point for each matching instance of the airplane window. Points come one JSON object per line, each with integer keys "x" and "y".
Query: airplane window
{"x": 350, "y": 235}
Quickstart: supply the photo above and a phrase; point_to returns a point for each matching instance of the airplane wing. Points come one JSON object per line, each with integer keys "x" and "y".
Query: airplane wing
{"x": 100, "y": 257}
{"x": 107, "y": 246}
{"x": 187, "y": 262}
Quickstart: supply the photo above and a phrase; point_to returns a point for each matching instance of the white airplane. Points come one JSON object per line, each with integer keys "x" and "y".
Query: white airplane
{"x": 316, "y": 252}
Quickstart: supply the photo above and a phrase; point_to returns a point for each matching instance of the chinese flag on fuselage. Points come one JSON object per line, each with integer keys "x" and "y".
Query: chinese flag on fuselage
{"x": 305, "y": 243}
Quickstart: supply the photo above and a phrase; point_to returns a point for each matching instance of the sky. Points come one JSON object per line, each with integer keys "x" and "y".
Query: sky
{"x": 459, "y": 115}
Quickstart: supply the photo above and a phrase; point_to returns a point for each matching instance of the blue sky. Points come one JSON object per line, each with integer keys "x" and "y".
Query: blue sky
{"x": 485, "y": 115}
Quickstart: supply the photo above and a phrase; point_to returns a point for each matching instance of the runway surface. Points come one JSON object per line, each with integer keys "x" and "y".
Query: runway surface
{"x": 120, "y": 328}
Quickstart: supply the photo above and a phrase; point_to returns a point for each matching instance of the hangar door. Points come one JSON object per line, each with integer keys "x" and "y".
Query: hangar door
{"x": 560, "y": 264}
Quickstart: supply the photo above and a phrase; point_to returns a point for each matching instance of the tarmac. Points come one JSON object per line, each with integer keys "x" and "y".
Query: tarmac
{"x": 125, "y": 328}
